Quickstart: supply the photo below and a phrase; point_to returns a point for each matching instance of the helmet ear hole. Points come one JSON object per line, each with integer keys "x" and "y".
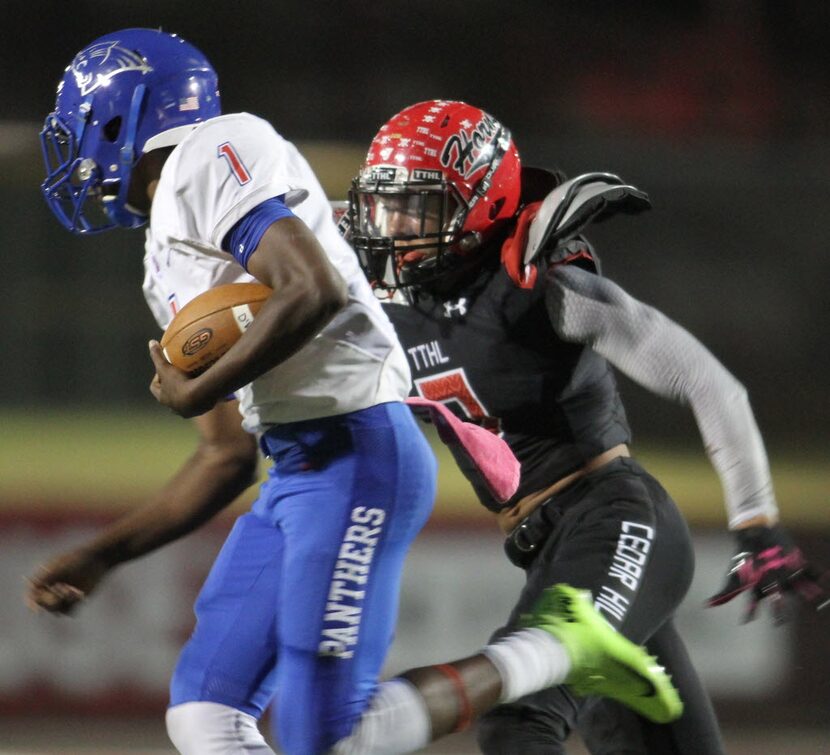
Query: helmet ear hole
{"x": 495, "y": 208}
{"x": 112, "y": 129}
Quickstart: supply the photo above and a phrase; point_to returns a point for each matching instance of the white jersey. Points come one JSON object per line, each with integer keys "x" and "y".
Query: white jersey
{"x": 218, "y": 173}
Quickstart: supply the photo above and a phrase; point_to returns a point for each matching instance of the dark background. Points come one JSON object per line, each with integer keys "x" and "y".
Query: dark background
{"x": 720, "y": 110}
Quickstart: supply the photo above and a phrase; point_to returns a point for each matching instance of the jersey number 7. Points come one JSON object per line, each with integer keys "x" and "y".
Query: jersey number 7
{"x": 452, "y": 387}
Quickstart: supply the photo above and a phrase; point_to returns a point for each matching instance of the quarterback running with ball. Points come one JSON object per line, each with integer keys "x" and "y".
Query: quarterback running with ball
{"x": 301, "y": 602}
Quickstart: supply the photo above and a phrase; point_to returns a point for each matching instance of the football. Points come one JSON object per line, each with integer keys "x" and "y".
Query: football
{"x": 208, "y": 325}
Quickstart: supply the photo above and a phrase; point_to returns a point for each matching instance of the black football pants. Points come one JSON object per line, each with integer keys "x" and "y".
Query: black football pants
{"x": 617, "y": 533}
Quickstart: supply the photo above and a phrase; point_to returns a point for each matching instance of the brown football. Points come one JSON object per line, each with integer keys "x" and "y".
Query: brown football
{"x": 208, "y": 325}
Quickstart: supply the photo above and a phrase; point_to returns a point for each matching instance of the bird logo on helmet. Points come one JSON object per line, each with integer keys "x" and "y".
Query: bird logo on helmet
{"x": 123, "y": 95}
{"x": 439, "y": 179}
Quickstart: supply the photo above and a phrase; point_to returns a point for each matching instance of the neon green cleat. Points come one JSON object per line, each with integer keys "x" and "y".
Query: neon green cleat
{"x": 603, "y": 662}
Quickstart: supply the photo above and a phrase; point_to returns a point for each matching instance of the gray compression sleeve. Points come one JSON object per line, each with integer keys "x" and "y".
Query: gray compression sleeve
{"x": 661, "y": 356}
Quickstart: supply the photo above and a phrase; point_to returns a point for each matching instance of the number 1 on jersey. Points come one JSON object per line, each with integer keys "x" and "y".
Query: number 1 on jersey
{"x": 238, "y": 169}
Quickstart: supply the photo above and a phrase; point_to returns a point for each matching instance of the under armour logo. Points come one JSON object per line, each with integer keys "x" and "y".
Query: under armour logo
{"x": 459, "y": 307}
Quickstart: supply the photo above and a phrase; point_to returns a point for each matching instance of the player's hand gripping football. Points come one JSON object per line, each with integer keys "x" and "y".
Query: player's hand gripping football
{"x": 61, "y": 584}
{"x": 769, "y": 566}
{"x": 174, "y": 388}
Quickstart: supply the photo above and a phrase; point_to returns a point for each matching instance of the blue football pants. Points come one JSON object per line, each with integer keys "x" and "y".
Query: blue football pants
{"x": 302, "y": 600}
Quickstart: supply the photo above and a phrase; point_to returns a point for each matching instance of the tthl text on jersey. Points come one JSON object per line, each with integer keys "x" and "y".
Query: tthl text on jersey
{"x": 426, "y": 355}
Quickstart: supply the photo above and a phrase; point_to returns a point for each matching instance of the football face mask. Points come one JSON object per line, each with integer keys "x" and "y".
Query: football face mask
{"x": 402, "y": 232}
{"x": 73, "y": 188}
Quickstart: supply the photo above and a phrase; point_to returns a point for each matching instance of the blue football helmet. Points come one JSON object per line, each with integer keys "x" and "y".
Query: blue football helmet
{"x": 123, "y": 95}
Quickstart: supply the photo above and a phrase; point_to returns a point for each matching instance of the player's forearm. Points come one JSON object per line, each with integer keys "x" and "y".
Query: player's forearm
{"x": 735, "y": 448}
{"x": 672, "y": 363}
{"x": 286, "y": 322}
{"x": 308, "y": 292}
{"x": 207, "y": 483}
{"x": 663, "y": 357}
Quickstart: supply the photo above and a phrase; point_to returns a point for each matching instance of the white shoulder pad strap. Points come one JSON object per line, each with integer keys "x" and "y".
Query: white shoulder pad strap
{"x": 577, "y": 202}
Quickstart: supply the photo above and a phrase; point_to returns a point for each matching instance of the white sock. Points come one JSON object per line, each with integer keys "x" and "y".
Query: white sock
{"x": 528, "y": 660}
{"x": 396, "y": 721}
{"x": 201, "y": 728}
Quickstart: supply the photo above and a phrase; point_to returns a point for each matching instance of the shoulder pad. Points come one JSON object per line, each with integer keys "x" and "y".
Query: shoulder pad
{"x": 574, "y": 204}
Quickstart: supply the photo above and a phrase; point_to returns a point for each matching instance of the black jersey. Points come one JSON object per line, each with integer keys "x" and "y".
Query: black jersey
{"x": 491, "y": 354}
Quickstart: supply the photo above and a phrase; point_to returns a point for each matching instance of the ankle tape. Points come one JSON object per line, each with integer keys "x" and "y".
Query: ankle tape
{"x": 464, "y": 717}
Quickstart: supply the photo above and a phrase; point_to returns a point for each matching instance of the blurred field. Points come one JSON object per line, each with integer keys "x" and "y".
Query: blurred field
{"x": 147, "y": 737}
{"x": 106, "y": 460}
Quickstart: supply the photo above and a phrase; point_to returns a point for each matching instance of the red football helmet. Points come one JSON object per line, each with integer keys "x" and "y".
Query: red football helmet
{"x": 439, "y": 178}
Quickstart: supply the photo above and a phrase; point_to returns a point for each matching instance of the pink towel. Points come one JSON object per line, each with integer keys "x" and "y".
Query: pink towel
{"x": 491, "y": 456}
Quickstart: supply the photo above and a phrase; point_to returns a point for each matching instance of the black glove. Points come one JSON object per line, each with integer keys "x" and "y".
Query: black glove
{"x": 769, "y": 565}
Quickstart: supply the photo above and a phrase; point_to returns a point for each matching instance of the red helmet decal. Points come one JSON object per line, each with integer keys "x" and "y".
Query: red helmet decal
{"x": 471, "y": 148}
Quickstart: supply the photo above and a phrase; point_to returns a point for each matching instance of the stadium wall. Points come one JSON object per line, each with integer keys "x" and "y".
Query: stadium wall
{"x": 116, "y": 655}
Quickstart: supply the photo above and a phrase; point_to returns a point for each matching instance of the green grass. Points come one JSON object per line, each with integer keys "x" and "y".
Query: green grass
{"x": 94, "y": 458}
{"x": 110, "y": 460}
